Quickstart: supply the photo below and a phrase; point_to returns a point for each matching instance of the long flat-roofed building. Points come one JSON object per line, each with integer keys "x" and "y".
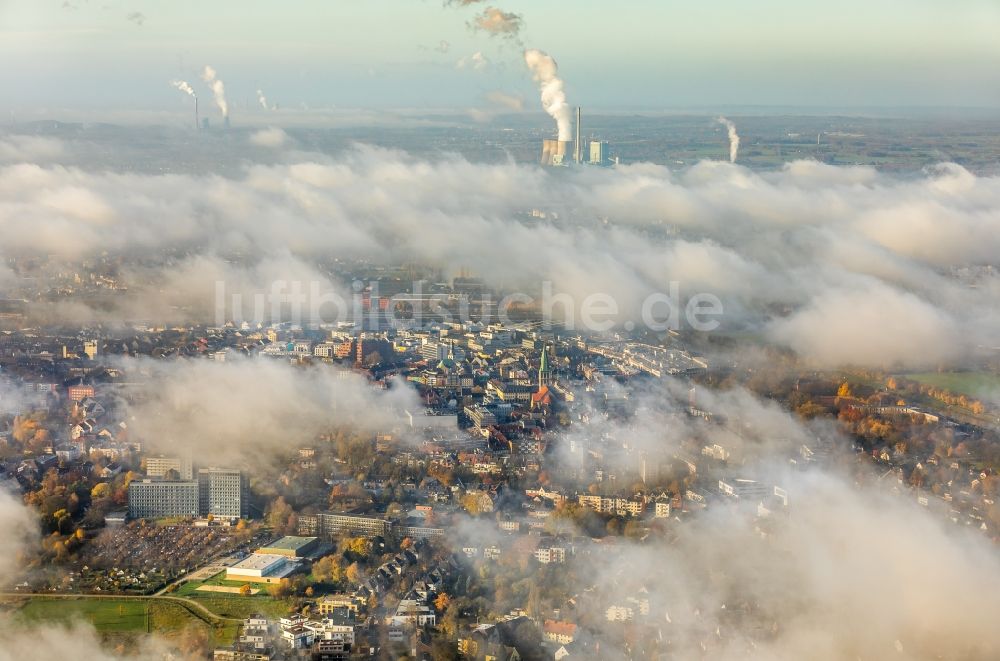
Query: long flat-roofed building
{"x": 291, "y": 546}
{"x": 331, "y": 524}
{"x": 158, "y": 499}
{"x": 261, "y": 568}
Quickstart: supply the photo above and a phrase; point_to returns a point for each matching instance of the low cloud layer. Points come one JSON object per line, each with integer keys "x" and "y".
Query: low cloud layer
{"x": 841, "y": 264}
{"x": 848, "y": 570}
{"x": 243, "y": 410}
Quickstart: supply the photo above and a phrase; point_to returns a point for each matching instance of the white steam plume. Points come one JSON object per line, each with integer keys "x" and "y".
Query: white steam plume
{"x": 261, "y": 99}
{"x": 218, "y": 89}
{"x": 184, "y": 87}
{"x": 545, "y": 71}
{"x": 734, "y": 138}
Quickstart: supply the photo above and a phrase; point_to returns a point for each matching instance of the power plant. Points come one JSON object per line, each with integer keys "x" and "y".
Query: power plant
{"x": 554, "y": 152}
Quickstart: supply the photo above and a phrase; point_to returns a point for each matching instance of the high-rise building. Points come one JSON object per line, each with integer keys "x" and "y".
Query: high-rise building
{"x": 161, "y": 466}
{"x": 223, "y": 493}
{"x": 157, "y": 499}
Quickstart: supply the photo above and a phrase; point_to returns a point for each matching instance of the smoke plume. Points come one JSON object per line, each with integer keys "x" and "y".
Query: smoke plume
{"x": 262, "y": 100}
{"x": 498, "y": 23}
{"x": 218, "y": 89}
{"x": 545, "y": 71}
{"x": 734, "y": 138}
{"x": 183, "y": 86}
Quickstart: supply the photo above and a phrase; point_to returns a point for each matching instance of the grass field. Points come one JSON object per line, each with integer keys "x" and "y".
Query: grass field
{"x": 128, "y": 616}
{"x": 973, "y": 384}
{"x": 103, "y": 614}
{"x": 232, "y": 605}
{"x": 240, "y": 607}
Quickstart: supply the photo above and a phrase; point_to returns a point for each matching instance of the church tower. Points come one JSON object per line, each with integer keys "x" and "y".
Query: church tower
{"x": 544, "y": 373}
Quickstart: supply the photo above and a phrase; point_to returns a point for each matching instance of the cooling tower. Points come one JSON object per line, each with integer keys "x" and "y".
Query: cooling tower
{"x": 548, "y": 149}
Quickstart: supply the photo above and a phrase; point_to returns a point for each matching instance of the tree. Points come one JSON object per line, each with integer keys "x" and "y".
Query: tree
{"x": 358, "y": 547}
{"x": 844, "y": 390}
{"x": 328, "y": 569}
{"x": 354, "y": 573}
{"x": 246, "y": 590}
{"x": 442, "y": 602}
{"x": 279, "y": 515}
{"x": 101, "y": 490}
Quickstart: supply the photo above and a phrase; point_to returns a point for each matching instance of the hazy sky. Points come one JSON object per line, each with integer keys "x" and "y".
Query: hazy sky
{"x": 653, "y": 54}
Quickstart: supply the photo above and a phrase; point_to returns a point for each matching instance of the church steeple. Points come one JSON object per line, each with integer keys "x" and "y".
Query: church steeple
{"x": 544, "y": 375}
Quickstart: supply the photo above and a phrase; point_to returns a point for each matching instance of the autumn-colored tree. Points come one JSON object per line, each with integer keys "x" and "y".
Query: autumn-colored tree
{"x": 100, "y": 490}
{"x": 442, "y": 602}
{"x": 328, "y": 569}
{"x": 279, "y": 515}
{"x": 246, "y": 590}
{"x": 358, "y": 546}
{"x": 844, "y": 390}
{"x": 354, "y": 573}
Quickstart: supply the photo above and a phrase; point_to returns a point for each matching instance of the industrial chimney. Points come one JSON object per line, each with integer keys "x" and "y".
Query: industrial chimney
{"x": 578, "y": 148}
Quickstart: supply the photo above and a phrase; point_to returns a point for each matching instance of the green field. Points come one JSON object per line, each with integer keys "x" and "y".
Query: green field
{"x": 240, "y": 607}
{"x": 233, "y": 605}
{"x": 103, "y": 614}
{"x": 981, "y": 385}
{"x": 121, "y": 616}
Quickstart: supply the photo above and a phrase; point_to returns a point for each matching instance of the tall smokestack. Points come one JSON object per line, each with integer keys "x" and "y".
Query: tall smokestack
{"x": 578, "y": 153}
